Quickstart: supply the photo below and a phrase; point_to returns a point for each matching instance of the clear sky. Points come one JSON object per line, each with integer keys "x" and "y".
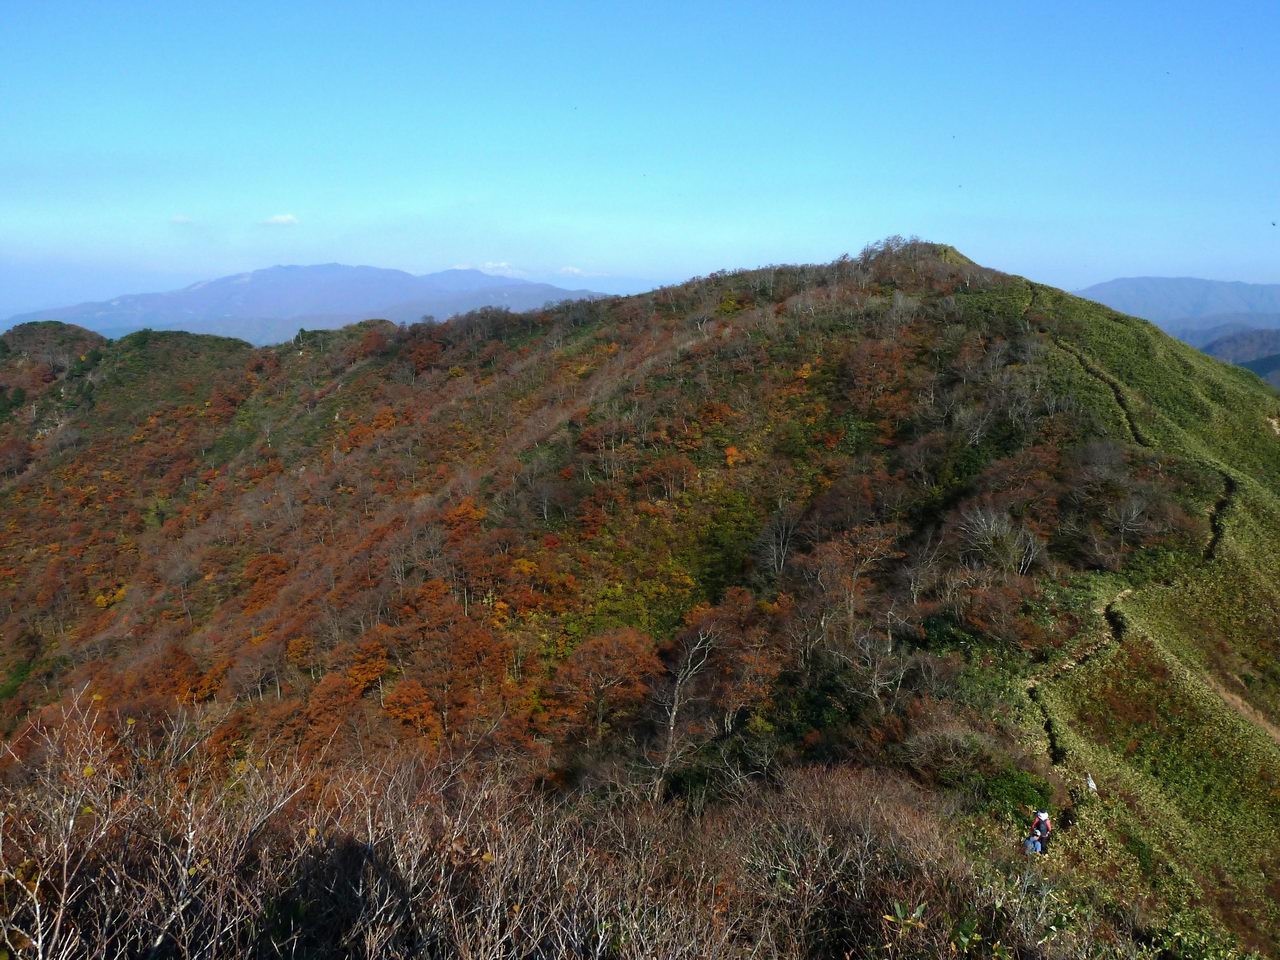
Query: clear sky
{"x": 145, "y": 145}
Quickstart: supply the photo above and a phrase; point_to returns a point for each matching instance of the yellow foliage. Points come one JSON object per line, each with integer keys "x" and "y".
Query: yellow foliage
{"x": 467, "y": 511}
{"x": 109, "y": 598}
{"x": 501, "y": 613}
{"x": 299, "y": 650}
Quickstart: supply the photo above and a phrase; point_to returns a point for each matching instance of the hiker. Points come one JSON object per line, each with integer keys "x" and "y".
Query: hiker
{"x": 1041, "y": 827}
{"x": 1031, "y": 846}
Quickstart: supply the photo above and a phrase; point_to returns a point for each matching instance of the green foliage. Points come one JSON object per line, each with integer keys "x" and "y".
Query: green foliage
{"x": 732, "y": 526}
{"x": 1011, "y": 793}
{"x": 18, "y": 674}
{"x": 11, "y": 400}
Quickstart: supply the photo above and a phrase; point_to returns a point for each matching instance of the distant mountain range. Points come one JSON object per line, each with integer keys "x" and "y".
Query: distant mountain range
{"x": 269, "y": 306}
{"x": 1202, "y": 331}
{"x": 1254, "y": 349}
{"x": 1245, "y": 345}
{"x": 1268, "y": 368}
{"x": 1170, "y": 301}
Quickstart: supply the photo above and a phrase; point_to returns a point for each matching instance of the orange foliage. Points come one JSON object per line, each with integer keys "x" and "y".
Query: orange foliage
{"x": 368, "y": 662}
{"x": 604, "y": 680}
{"x": 410, "y": 703}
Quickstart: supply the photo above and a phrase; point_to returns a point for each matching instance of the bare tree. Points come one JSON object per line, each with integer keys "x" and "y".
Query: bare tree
{"x": 674, "y": 699}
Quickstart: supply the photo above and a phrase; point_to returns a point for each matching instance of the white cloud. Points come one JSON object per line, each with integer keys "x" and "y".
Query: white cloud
{"x": 501, "y": 268}
{"x": 180, "y": 219}
{"x": 498, "y": 268}
{"x": 573, "y": 271}
{"x": 281, "y": 220}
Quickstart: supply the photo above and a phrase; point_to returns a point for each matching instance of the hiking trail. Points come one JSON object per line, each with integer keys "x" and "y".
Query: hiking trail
{"x": 1114, "y": 634}
{"x": 1217, "y": 516}
{"x": 1241, "y": 706}
{"x": 1114, "y": 385}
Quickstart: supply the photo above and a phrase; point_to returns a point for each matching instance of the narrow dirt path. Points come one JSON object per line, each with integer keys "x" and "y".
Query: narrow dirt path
{"x": 1115, "y": 622}
{"x": 1057, "y": 752}
{"x": 1217, "y": 516}
{"x": 1116, "y": 628}
{"x": 1114, "y": 385}
{"x": 1217, "y": 513}
{"x": 1242, "y": 706}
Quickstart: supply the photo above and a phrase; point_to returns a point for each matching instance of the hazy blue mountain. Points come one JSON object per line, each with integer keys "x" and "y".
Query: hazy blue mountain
{"x": 1202, "y": 331}
{"x": 1268, "y": 368}
{"x": 1201, "y": 337}
{"x": 268, "y": 306}
{"x": 1182, "y": 301}
{"x": 1245, "y": 346}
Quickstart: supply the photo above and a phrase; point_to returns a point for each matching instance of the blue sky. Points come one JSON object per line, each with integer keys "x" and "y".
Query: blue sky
{"x": 147, "y": 145}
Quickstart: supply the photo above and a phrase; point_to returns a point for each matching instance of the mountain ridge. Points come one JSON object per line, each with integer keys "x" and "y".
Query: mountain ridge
{"x": 1245, "y": 345}
{"x": 270, "y": 304}
{"x": 919, "y": 519}
{"x": 1183, "y": 300}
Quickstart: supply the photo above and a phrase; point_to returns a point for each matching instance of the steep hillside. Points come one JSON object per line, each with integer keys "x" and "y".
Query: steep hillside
{"x": 949, "y": 534}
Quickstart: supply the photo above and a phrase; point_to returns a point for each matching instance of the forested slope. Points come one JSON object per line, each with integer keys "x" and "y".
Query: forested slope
{"x": 898, "y": 518}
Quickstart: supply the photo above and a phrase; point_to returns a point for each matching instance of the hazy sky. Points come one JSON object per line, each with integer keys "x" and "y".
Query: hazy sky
{"x": 147, "y": 145}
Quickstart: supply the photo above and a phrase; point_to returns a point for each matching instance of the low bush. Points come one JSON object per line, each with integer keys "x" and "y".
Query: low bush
{"x": 124, "y": 844}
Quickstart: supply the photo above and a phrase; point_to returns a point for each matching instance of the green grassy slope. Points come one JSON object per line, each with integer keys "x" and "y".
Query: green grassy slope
{"x": 1176, "y": 715}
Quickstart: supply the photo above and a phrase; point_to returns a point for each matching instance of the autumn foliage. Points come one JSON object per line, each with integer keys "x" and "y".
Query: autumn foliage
{"x": 782, "y": 474}
{"x": 666, "y": 548}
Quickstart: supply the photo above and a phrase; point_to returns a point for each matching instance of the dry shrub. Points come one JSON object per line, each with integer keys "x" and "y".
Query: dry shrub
{"x": 114, "y": 844}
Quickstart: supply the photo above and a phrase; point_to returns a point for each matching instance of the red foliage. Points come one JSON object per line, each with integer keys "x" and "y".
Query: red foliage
{"x": 604, "y": 680}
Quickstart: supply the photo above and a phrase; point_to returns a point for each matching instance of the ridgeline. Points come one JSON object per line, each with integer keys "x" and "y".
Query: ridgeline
{"x": 897, "y": 528}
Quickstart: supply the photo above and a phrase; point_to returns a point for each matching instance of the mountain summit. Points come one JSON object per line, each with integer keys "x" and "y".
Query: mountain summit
{"x": 760, "y": 610}
{"x": 269, "y": 306}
